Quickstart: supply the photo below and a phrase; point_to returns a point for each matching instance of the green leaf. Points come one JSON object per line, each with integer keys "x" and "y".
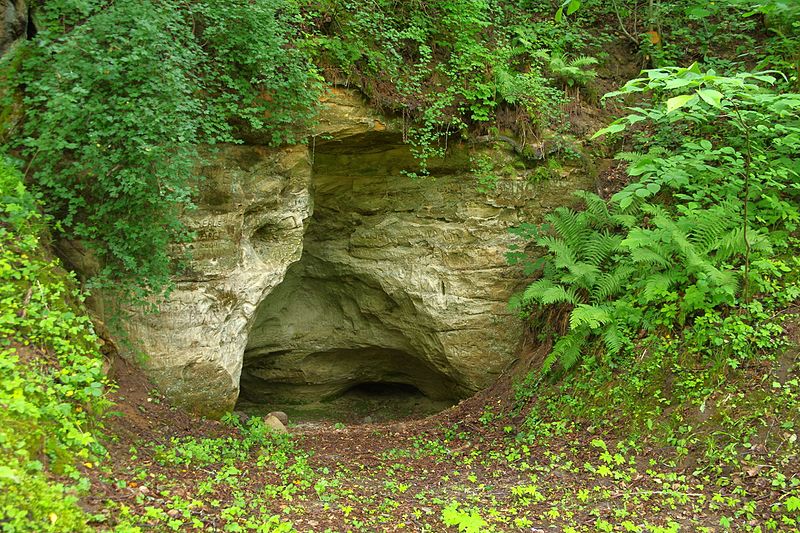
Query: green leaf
{"x": 625, "y": 201}
{"x": 698, "y": 12}
{"x": 711, "y": 97}
{"x": 560, "y": 14}
{"x": 793, "y": 504}
{"x": 677, "y": 102}
{"x": 9, "y": 474}
{"x": 574, "y": 5}
{"x": 676, "y": 83}
{"x": 613, "y": 128}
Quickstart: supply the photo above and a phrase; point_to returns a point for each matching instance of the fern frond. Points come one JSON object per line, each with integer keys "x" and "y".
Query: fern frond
{"x": 640, "y": 238}
{"x": 590, "y": 316}
{"x": 655, "y": 285}
{"x": 596, "y": 207}
{"x": 708, "y": 226}
{"x": 660, "y": 216}
{"x": 583, "y": 61}
{"x": 732, "y": 243}
{"x": 567, "y": 350}
{"x": 600, "y": 247}
{"x": 572, "y": 226}
{"x": 613, "y": 339}
{"x": 562, "y": 252}
{"x": 549, "y": 361}
{"x": 725, "y": 280}
{"x": 628, "y": 156}
{"x": 611, "y": 284}
{"x": 650, "y": 256}
{"x": 582, "y": 274}
{"x": 627, "y": 220}
{"x": 546, "y": 292}
{"x": 559, "y": 294}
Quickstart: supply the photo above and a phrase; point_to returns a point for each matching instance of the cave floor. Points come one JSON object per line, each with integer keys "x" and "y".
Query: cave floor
{"x": 356, "y": 406}
{"x": 464, "y": 469}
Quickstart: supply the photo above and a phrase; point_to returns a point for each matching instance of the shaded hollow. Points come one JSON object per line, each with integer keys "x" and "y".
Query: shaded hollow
{"x": 319, "y": 334}
{"x": 356, "y": 308}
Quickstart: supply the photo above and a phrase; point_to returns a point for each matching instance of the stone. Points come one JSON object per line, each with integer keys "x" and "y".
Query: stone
{"x": 280, "y": 415}
{"x": 14, "y": 24}
{"x": 274, "y": 424}
{"x": 253, "y": 205}
{"x": 320, "y": 268}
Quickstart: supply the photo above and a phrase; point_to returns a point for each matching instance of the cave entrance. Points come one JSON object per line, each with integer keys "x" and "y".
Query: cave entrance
{"x": 361, "y": 403}
{"x": 376, "y": 389}
{"x": 346, "y": 336}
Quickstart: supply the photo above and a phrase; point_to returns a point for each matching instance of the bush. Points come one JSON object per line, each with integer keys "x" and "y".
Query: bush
{"x": 703, "y": 227}
{"x": 51, "y": 379}
{"x": 117, "y": 97}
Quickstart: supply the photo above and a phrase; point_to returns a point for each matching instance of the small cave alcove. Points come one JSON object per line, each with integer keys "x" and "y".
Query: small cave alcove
{"x": 331, "y": 347}
{"x": 346, "y": 335}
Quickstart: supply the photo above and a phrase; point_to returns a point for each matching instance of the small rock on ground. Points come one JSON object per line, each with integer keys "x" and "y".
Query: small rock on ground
{"x": 280, "y": 415}
{"x": 274, "y": 424}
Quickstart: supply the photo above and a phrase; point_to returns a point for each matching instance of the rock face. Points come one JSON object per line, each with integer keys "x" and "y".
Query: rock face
{"x": 14, "y": 25}
{"x": 320, "y": 268}
{"x": 250, "y": 221}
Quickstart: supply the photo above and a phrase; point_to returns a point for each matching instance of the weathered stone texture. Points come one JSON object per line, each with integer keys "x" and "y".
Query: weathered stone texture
{"x": 14, "y": 24}
{"x": 322, "y": 267}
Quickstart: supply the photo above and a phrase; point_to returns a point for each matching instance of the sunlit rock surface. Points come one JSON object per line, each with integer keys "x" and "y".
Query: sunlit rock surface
{"x": 320, "y": 268}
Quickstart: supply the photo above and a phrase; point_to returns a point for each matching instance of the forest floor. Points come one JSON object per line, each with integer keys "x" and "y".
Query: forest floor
{"x": 469, "y": 468}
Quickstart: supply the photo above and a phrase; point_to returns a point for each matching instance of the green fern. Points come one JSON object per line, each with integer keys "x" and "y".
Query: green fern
{"x": 545, "y": 292}
{"x": 600, "y": 247}
{"x": 611, "y": 284}
{"x": 566, "y": 351}
{"x": 590, "y": 316}
{"x": 613, "y": 339}
{"x": 569, "y": 225}
{"x": 571, "y": 72}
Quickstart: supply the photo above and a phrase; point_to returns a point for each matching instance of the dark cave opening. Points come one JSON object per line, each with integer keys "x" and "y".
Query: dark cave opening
{"x": 378, "y": 389}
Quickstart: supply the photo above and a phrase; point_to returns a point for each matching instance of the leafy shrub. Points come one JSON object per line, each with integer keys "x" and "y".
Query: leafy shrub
{"x": 51, "y": 380}
{"x": 698, "y": 230}
{"x": 454, "y": 65}
{"x": 119, "y": 94}
{"x": 252, "y": 67}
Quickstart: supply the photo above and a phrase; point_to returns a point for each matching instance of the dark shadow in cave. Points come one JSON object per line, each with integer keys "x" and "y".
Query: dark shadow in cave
{"x": 379, "y": 389}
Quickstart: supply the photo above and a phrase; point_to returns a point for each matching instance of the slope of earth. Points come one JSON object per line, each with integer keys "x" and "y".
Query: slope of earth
{"x": 475, "y": 467}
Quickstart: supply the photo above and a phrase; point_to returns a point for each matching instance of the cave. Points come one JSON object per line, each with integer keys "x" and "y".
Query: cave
{"x": 350, "y": 317}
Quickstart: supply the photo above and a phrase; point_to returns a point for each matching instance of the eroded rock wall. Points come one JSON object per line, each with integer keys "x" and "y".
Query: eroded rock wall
{"x": 391, "y": 279}
{"x": 14, "y": 24}
{"x": 252, "y": 210}
{"x": 415, "y": 268}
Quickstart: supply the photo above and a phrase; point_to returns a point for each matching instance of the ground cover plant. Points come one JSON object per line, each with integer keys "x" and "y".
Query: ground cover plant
{"x": 52, "y": 384}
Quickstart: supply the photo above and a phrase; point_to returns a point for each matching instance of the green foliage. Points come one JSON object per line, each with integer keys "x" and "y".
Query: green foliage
{"x": 457, "y": 66}
{"x": 570, "y": 72}
{"x": 119, "y": 94}
{"x": 110, "y": 129}
{"x": 696, "y": 229}
{"x": 468, "y": 521}
{"x": 51, "y": 380}
{"x": 254, "y": 69}
{"x": 483, "y": 168}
